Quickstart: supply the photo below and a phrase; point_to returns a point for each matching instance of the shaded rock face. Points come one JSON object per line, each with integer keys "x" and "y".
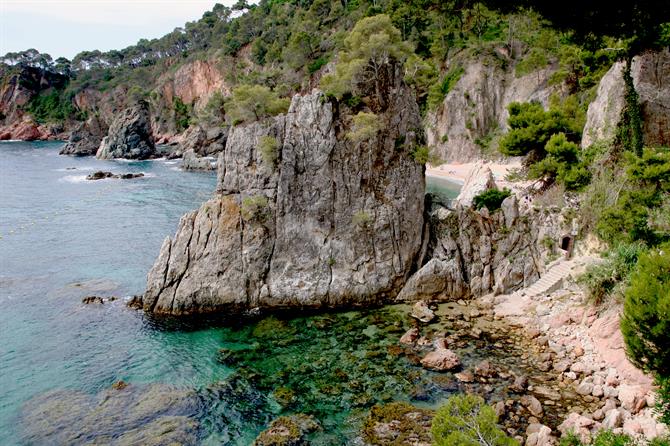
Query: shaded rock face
{"x": 473, "y": 253}
{"x": 203, "y": 141}
{"x": 86, "y": 138}
{"x": 129, "y": 136}
{"x": 332, "y": 223}
{"x": 651, "y": 77}
{"x": 477, "y": 106}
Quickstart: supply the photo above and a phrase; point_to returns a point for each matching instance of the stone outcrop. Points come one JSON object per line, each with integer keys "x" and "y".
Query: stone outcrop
{"x": 203, "y": 141}
{"x": 480, "y": 179}
{"x": 473, "y": 253}
{"x": 477, "y": 104}
{"x": 86, "y": 138}
{"x": 129, "y": 135}
{"x": 191, "y": 161}
{"x": 331, "y": 223}
{"x": 651, "y": 77}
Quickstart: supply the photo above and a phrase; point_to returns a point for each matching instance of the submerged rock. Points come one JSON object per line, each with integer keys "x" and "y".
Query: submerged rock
{"x": 129, "y": 135}
{"x": 330, "y": 223}
{"x": 288, "y": 431}
{"x": 441, "y": 360}
{"x": 398, "y": 424}
{"x": 124, "y": 415}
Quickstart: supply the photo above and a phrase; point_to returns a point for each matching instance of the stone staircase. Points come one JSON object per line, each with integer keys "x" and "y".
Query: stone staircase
{"x": 515, "y": 304}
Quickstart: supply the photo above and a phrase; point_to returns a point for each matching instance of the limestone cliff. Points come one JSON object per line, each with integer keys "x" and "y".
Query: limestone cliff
{"x": 329, "y": 223}
{"x": 477, "y": 106}
{"x": 651, "y": 77}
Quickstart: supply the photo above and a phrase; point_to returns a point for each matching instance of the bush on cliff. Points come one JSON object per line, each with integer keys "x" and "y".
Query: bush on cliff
{"x": 466, "y": 420}
{"x": 491, "y": 199}
{"x": 645, "y": 323}
{"x": 254, "y": 102}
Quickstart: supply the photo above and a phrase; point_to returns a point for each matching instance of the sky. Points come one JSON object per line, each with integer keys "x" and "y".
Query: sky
{"x": 67, "y": 27}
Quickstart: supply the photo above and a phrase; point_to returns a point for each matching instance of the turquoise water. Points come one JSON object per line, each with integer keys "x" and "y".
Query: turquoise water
{"x": 63, "y": 238}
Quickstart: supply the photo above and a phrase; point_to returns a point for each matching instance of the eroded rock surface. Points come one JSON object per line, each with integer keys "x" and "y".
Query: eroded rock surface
{"x": 473, "y": 253}
{"x": 129, "y": 135}
{"x": 86, "y": 138}
{"x": 203, "y": 141}
{"x": 651, "y": 77}
{"x": 191, "y": 161}
{"x": 331, "y": 223}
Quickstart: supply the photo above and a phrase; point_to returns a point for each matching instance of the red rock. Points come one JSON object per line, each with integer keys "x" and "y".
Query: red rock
{"x": 441, "y": 360}
{"x": 410, "y": 337}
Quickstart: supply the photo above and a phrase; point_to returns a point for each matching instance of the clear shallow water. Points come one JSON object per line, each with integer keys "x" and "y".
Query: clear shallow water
{"x": 63, "y": 238}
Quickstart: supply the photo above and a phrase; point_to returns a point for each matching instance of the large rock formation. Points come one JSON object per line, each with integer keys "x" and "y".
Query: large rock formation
{"x": 204, "y": 141}
{"x": 86, "y": 138}
{"x": 330, "y": 223}
{"x": 477, "y": 104}
{"x": 473, "y": 253}
{"x": 129, "y": 135}
{"x": 479, "y": 180}
{"x": 191, "y": 161}
{"x": 651, "y": 77}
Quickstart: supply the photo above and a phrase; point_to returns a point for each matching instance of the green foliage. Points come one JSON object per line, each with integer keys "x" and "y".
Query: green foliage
{"x": 466, "y": 420}
{"x": 645, "y": 190}
{"x": 663, "y": 405}
{"x": 535, "y": 60}
{"x": 268, "y": 146}
{"x": 254, "y": 102}
{"x": 645, "y": 323}
{"x": 610, "y": 277}
{"x": 629, "y": 131}
{"x": 365, "y": 126}
{"x": 438, "y": 91}
{"x": 372, "y": 43}
{"x": 182, "y": 114}
{"x": 315, "y": 66}
{"x": 52, "y": 106}
{"x": 646, "y": 316}
{"x": 491, "y": 199}
{"x": 424, "y": 155}
{"x": 562, "y": 164}
{"x": 214, "y": 111}
{"x": 362, "y": 219}
{"x": 254, "y": 208}
{"x": 603, "y": 438}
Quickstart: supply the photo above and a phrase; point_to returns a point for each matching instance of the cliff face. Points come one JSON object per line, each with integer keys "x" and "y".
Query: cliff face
{"x": 651, "y": 77}
{"x": 129, "y": 135}
{"x": 473, "y": 253}
{"x": 330, "y": 223}
{"x": 476, "y": 106}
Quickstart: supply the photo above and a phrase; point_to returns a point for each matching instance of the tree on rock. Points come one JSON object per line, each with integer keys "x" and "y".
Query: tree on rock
{"x": 254, "y": 102}
{"x": 373, "y": 43}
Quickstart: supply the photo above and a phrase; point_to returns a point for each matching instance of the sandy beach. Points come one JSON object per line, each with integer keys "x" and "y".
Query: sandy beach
{"x": 457, "y": 172}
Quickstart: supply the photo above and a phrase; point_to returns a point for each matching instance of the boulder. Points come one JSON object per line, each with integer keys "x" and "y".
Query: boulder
{"x": 441, "y": 360}
{"x": 533, "y": 405}
{"x": 422, "y": 312}
{"x": 129, "y": 136}
{"x": 479, "y": 179}
{"x": 410, "y": 337}
{"x": 191, "y": 161}
{"x": 331, "y": 224}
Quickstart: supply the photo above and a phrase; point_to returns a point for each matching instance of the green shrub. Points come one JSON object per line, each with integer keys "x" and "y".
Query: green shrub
{"x": 439, "y": 91}
{"x": 182, "y": 114}
{"x": 317, "y": 64}
{"x": 254, "y": 208}
{"x": 268, "y": 146}
{"x": 362, "y": 219}
{"x": 610, "y": 277}
{"x": 365, "y": 126}
{"x": 645, "y": 323}
{"x": 603, "y": 438}
{"x": 491, "y": 199}
{"x": 52, "y": 106}
{"x": 254, "y": 102}
{"x": 423, "y": 154}
{"x": 466, "y": 420}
